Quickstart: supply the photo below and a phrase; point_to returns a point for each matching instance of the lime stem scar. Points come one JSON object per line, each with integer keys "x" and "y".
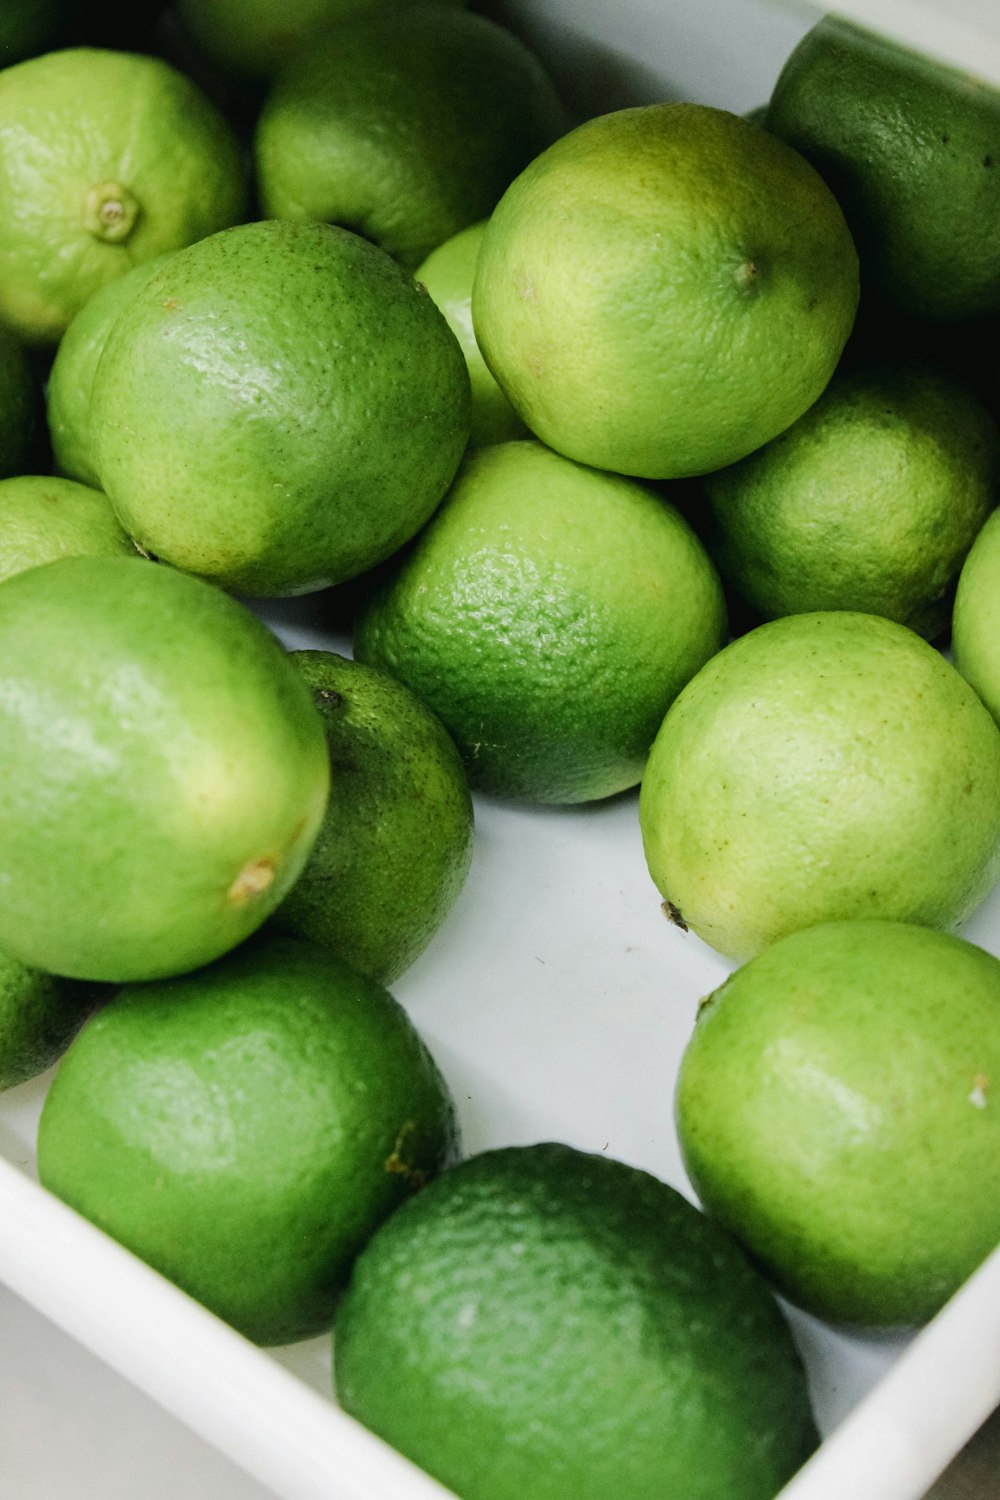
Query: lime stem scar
{"x": 254, "y": 878}
{"x": 110, "y": 212}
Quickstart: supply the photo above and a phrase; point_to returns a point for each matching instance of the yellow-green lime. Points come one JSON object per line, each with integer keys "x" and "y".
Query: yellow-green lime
{"x": 665, "y": 289}
{"x": 396, "y": 841}
{"x": 837, "y": 1112}
{"x": 106, "y": 159}
{"x": 822, "y": 766}
{"x": 20, "y": 408}
{"x": 405, "y": 124}
{"x": 43, "y": 518}
{"x": 246, "y": 1128}
{"x": 255, "y": 38}
{"x": 910, "y": 147}
{"x": 163, "y": 771}
{"x": 548, "y": 614}
{"x": 39, "y": 1016}
{"x": 278, "y": 408}
{"x": 448, "y": 274}
{"x": 541, "y": 1321}
{"x": 870, "y": 501}
{"x": 71, "y": 379}
{"x": 975, "y": 635}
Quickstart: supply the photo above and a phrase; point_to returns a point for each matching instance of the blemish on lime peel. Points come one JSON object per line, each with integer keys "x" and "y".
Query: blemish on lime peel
{"x": 253, "y": 879}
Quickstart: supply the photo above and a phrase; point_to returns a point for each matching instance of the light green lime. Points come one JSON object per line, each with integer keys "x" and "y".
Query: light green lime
{"x": 39, "y": 1016}
{"x": 448, "y": 274}
{"x": 404, "y": 124}
{"x": 279, "y": 408}
{"x": 396, "y": 841}
{"x": 163, "y": 771}
{"x": 71, "y": 379}
{"x": 246, "y": 1128}
{"x": 540, "y": 1321}
{"x": 975, "y": 632}
{"x": 837, "y": 1111}
{"x": 106, "y": 159}
{"x": 255, "y": 38}
{"x": 868, "y": 502}
{"x": 548, "y": 614}
{"x": 910, "y": 147}
{"x": 42, "y": 519}
{"x": 664, "y": 289}
{"x": 822, "y": 766}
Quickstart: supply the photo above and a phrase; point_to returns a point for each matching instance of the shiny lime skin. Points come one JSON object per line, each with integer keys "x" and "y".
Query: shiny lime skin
{"x": 909, "y": 147}
{"x": 163, "y": 771}
{"x": 43, "y": 518}
{"x": 71, "y": 379}
{"x": 246, "y": 1128}
{"x": 39, "y": 1016}
{"x": 279, "y": 408}
{"x": 405, "y": 124}
{"x": 823, "y": 766}
{"x": 976, "y": 618}
{"x": 396, "y": 841}
{"x": 548, "y": 615}
{"x": 836, "y": 1111}
{"x": 540, "y": 1321}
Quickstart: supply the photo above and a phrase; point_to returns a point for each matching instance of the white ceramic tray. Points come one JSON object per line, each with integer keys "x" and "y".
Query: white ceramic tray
{"x": 557, "y": 999}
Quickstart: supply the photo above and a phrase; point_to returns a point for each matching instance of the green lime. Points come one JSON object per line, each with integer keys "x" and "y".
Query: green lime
{"x": 278, "y": 408}
{"x": 106, "y": 159}
{"x": 42, "y": 519}
{"x": 20, "y": 408}
{"x": 447, "y": 274}
{"x": 665, "y": 289}
{"x": 246, "y": 1128}
{"x": 870, "y": 501}
{"x": 39, "y": 1016}
{"x": 71, "y": 379}
{"x": 975, "y": 632}
{"x": 823, "y": 766}
{"x": 912, "y": 150}
{"x": 255, "y": 38}
{"x": 548, "y": 614}
{"x": 836, "y": 1112}
{"x": 163, "y": 772}
{"x": 405, "y": 125}
{"x": 540, "y": 1321}
{"x": 395, "y": 845}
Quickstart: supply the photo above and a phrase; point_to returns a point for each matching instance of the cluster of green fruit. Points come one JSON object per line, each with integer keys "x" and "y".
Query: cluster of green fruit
{"x": 494, "y": 382}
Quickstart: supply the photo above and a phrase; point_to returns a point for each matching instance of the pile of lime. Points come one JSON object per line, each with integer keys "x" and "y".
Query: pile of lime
{"x": 613, "y": 437}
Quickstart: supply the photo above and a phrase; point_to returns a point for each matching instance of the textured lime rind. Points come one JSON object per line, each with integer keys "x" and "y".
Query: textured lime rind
{"x": 448, "y": 274}
{"x": 405, "y": 124}
{"x": 976, "y": 621}
{"x": 912, "y": 150}
{"x": 71, "y": 379}
{"x": 396, "y": 841}
{"x": 823, "y": 766}
{"x": 246, "y": 1128}
{"x": 73, "y": 120}
{"x": 278, "y": 408}
{"x": 43, "y": 518}
{"x": 163, "y": 771}
{"x": 664, "y": 289}
{"x": 548, "y": 615}
{"x": 869, "y": 502}
{"x": 540, "y": 1321}
{"x": 837, "y": 1111}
